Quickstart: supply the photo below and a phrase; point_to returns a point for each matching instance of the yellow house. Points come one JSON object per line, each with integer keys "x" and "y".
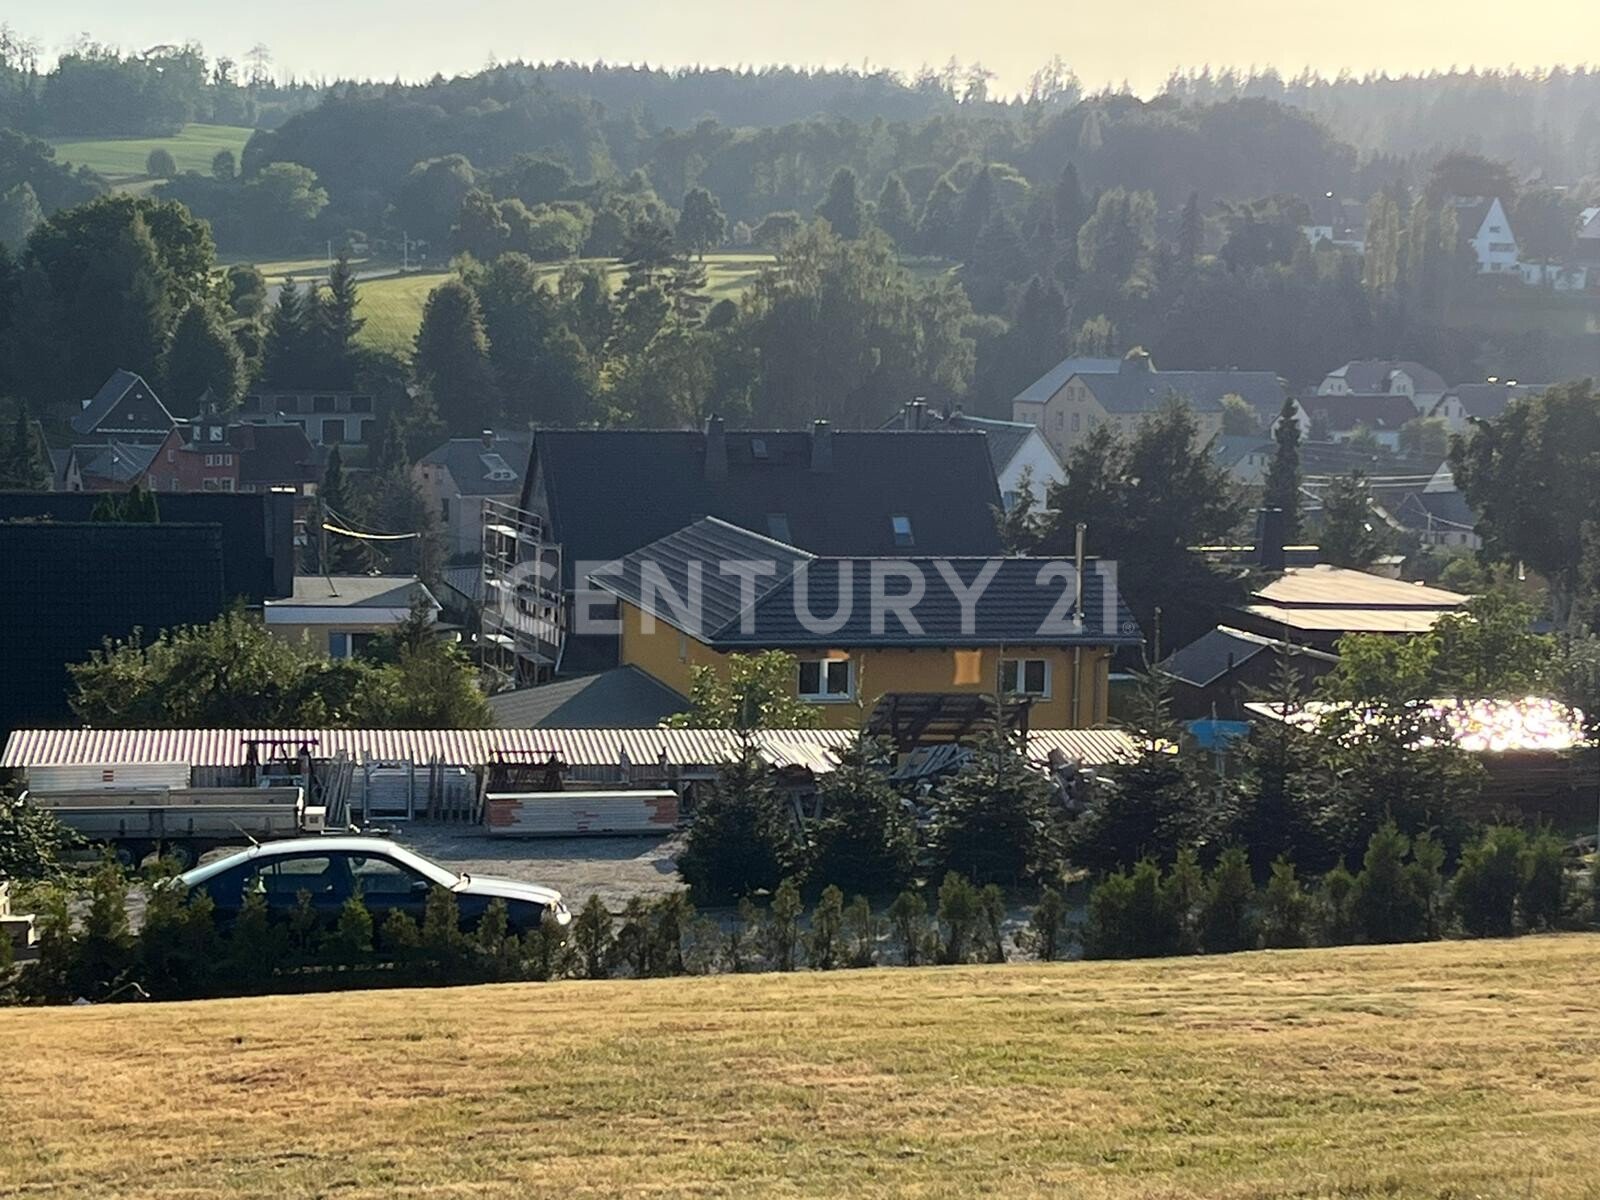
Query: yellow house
{"x": 887, "y": 643}
{"x": 1078, "y": 396}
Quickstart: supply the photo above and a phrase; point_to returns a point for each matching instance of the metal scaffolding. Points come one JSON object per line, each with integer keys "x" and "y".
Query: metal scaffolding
{"x": 523, "y": 619}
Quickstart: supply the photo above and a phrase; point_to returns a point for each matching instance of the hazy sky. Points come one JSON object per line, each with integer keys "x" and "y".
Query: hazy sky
{"x": 1137, "y": 40}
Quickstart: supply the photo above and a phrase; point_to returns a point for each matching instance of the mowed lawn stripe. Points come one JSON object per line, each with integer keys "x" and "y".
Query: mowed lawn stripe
{"x": 1454, "y": 1069}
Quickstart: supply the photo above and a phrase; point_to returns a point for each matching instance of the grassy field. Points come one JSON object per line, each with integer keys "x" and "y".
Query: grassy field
{"x": 121, "y": 160}
{"x": 1464, "y": 1069}
{"x": 393, "y": 307}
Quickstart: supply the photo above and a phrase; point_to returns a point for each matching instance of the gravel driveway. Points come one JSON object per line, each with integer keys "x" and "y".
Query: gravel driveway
{"x": 617, "y": 868}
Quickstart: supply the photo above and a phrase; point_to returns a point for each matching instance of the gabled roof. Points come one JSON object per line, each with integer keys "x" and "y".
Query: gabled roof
{"x": 1471, "y": 213}
{"x": 1380, "y": 411}
{"x": 1230, "y": 449}
{"x": 1341, "y": 587}
{"x": 1052, "y": 381}
{"x": 1589, "y": 223}
{"x": 1211, "y": 656}
{"x": 1006, "y": 438}
{"x": 609, "y": 492}
{"x": 1372, "y": 375}
{"x": 93, "y": 414}
{"x": 495, "y": 469}
{"x": 624, "y": 698}
{"x": 118, "y": 462}
{"x": 1425, "y": 510}
{"x": 1135, "y": 390}
{"x": 271, "y": 454}
{"x": 1015, "y": 607}
{"x": 1487, "y": 401}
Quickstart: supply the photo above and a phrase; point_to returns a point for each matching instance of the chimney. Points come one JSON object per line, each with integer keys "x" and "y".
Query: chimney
{"x": 821, "y": 447}
{"x": 488, "y": 439}
{"x": 1269, "y": 539}
{"x": 914, "y": 414}
{"x": 716, "y": 449}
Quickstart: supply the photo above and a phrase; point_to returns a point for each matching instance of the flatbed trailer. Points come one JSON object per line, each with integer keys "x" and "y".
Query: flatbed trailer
{"x": 181, "y": 822}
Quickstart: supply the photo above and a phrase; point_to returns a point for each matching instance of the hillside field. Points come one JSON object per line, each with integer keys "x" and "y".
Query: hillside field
{"x": 121, "y": 160}
{"x": 1457, "y": 1069}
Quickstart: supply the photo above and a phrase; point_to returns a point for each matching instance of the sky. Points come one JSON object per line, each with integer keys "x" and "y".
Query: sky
{"x": 1138, "y": 41}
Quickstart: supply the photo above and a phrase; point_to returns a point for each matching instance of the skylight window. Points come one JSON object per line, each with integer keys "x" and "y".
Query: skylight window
{"x": 901, "y": 524}
{"x": 495, "y": 467}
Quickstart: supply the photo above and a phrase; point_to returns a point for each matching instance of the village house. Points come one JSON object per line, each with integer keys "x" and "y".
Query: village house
{"x": 683, "y": 603}
{"x": 329, "y": 418}
{"x": 1484, "y": 226}
{"x": 1017, "y": 449}
{"x": 1316, "y": 606}
{"x": 1078, "y": 396}
{"x": 340, "y": 614}
{"x": 594, "y": 496}
{"x": 461, "y": 474}
{"x": 1340, "y": 418}
{"x": 1423, "y": 386}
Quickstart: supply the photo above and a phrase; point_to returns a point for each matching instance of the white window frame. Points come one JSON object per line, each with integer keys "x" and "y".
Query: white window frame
{"x": 1021, "y": 665}
{"x": 824, "y": 696}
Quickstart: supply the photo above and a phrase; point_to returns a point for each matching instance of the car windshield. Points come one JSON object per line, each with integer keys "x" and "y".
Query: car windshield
{"x": 442, "y": 876}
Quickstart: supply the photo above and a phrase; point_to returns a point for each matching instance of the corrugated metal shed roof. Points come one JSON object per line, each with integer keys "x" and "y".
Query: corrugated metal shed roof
{"x": 1349, "y": 620}
{"x": 809, "y": 748}
{"x": 1341, "y": 587}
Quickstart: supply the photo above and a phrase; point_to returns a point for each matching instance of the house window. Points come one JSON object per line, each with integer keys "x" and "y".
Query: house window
{"x": 1025, "y": 677}
{"x": 825, "y": 679}
{"x": 227, "y": 460}
{"x": 333, "y": 431}
{"x": 347, "y": 645}
{"x": 1061, "y": 420}
{"x": 778, "y": 527}
{"x": 227, "y": 484}
{"x": 324, "y": 404}
{"x": 444, "y": 509}
{"x": 214, "y": 433}
{"x": 901, "y": 524}
{"x": 1076, "y": 419}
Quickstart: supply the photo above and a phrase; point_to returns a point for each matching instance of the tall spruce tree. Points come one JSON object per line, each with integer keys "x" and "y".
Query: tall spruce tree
{"x": 452, "y": 360}
{"x": 1350, "y": 534}
{"x": 894, "y": 212}
{"x": 337, "y": 326}
{"x": 202, "y": 357}
{"x": 24, "y": 459}
{"x": 843, "y": 208}
{"x": 282, "y": 360}
{"x": 1282, "y": 490}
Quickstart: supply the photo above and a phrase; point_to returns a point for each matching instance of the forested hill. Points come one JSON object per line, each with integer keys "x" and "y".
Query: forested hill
{"x": 1541, "y": 122}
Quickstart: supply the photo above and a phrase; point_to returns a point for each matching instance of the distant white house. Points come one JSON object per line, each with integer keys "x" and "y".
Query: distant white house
{"x": 1589, "y": 235}
{"x": 1485, "y": 227}
{"x": 1559, "y": 277}
{"x": 1423, "y": 386}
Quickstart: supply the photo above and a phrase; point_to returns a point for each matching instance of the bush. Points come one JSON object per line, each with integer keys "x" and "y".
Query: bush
{"x": 592, "y": 940}
{"x": 1394, "y": 899}
{"x": 1044, "y": 936}
{"x": 1484, "y": 891}
{"x": 861, "y": 931}
{"x": 49, "y": 979}
{"x": 178, "y": 945}
{"x": 742, "y": 839}
{"x": 632, "y": 946}
{"x": 1132, "y": 915}
{"x": 256, "y": 947}
{"x": 1227, "y": 916}
{"x": 824, "y": 944}
{"x": 1335, "y": 907}
{"x": 1542, "y": 891}
{"x": 997, "y": 821}
{"x": 443, "y": 949}
{"x": 1186, "y": 892}
{"x": 992, "y": 907}
{"x": 908, "y": 920}
{"x": 782, "y": 926}
{"x": 865, "y": 840}
{"x": 671, "y": 915}
{"x": 350, "y": 945}
{"x": 32, "y": 841}
{"x": 1285, "y": 909}
{"x": 960, "y": 909}
{"x": 104, "y": 954}
{"x": 742, "y": 931}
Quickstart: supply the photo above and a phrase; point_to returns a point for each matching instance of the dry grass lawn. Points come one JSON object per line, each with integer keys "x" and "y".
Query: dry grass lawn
{"x": 1467, "y": 1069}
